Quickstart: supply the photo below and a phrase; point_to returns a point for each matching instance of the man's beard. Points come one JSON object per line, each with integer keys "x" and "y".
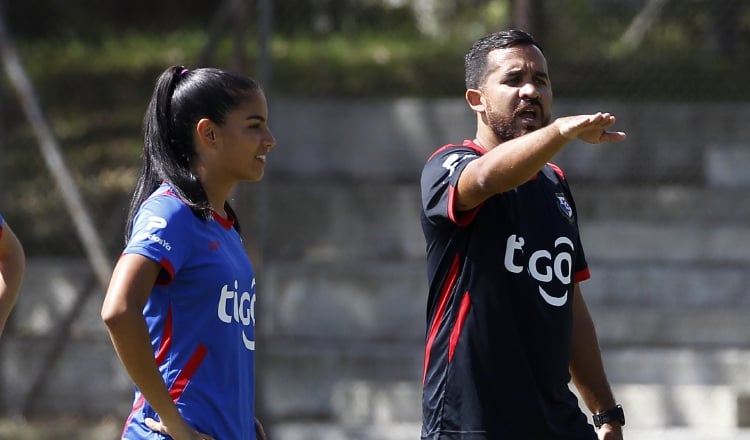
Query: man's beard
{"x": 504, "y": 126}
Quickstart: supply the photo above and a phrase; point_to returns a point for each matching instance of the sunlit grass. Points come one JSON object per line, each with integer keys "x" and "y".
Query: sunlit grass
{"x": 127, "y": 52}
{"x": 336, "y": 56}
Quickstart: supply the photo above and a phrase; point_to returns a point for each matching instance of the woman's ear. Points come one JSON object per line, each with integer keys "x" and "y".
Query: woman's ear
{"x": 475, "y": 100}
{"x": 205, "y": 129}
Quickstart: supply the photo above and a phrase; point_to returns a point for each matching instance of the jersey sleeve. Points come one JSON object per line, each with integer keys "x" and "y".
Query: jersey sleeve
{"x": 439, "y": 180}
{"x": 1, "y": 226}
{"x": 581, "y": 268}
{"x": 161, "y": 232}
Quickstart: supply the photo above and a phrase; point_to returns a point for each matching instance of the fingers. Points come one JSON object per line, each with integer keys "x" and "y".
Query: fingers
{"x": 603, "y": 119}
{"x": 591, "y": 128}
{"x": 154, "y": 425}
{"x": 157, "y": 426}
{"x": 606, "y": 120}
{"x": 613, "y": 136}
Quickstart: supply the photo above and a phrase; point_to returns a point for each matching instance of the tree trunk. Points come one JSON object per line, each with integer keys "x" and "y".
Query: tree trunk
{"x": 724, "y": 33}
{"x": 528, "y": 15}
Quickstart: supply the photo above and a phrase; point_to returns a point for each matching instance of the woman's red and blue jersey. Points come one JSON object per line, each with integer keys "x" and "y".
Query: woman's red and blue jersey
{"x": 499, "y": 311}
{"x": 200, "y": 317}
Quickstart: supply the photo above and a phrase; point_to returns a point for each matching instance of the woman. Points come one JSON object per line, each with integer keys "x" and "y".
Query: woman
{"x": 180, "y": 308}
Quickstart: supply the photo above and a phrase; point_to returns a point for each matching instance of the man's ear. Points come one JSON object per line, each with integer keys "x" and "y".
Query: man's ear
{"x": 475, "y": 100}
{"x": 206, "y": 131}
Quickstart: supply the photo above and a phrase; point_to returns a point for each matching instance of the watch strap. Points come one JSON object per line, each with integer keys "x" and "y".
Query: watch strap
{"x": 610, "y": 415}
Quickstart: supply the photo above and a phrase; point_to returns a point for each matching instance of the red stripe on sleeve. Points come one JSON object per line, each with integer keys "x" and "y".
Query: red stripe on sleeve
{"x": 557, "y": 170}
{"x": 461, "y": 218}
{"x": 582, "y": 275}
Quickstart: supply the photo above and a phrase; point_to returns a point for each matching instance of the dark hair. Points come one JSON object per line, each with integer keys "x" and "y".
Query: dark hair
{"x": 475, "y": 61}
{"x": 181, "y": 98}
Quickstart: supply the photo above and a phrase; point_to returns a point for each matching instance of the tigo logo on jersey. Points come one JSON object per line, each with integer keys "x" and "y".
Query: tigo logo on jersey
{"x": 543, "y": 266}
{"x": 239, "y": 307}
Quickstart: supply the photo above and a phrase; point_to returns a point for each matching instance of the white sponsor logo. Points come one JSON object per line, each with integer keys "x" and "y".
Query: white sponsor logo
{"x": 450, "y": 163}
{"x": 238, "y": 307}
{"x": 543, "y": 266}
{"x": 164, "y": 243}
{"x": 154, "y": 223}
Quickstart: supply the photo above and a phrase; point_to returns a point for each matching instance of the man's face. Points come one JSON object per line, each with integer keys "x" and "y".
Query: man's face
{"x": 517, "y": 93}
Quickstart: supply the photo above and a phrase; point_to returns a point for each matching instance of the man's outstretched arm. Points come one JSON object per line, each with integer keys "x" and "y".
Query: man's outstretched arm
{"x": 514, "y": 162}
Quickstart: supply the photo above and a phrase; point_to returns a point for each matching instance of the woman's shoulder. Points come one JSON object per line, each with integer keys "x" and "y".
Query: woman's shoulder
{"x": 165, "y": 203}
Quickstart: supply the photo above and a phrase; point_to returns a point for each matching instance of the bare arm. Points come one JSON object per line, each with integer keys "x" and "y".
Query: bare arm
{"x": 586, "y": 368}
{"x": 514, "y": 162}
{"x": 132, "y": 280}
{"x": 12, "y": 266}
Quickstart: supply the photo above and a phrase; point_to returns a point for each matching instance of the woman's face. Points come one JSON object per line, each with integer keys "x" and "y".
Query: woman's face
{"x": 244, "y": 140}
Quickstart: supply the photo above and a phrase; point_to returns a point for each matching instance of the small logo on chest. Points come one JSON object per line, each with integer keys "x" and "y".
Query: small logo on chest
{"x": 564, "y": 205}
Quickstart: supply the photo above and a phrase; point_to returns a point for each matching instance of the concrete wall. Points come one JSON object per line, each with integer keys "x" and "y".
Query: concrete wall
{"x": 334, "y": 231}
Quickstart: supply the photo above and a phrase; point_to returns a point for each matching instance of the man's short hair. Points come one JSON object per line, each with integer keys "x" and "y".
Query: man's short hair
{"x": 475, "y": 61}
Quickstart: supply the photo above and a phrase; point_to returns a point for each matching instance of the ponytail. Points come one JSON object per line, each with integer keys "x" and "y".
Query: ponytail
{"x": 181, "y": 97}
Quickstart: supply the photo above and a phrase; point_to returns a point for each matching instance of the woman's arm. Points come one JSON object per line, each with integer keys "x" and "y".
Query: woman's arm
{"x": 12, "y": 266}
{"x": 131, "y": 284}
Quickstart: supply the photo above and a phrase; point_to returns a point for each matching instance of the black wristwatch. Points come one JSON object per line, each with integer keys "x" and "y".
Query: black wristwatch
{"x": 610, "y": 415}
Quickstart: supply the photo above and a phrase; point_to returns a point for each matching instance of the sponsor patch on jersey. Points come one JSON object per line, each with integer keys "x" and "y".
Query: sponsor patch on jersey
{"x": 564, "y": 205}
{"x": 450, "y": 163}
{"x": 453, "y": 160}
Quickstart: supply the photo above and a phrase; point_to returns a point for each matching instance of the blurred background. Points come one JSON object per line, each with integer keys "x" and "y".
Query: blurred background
{"x": 360, "y": 93}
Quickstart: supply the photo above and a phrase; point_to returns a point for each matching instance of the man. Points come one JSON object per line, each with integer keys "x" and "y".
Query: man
{"x": 12, "y": 264}
{"x": 507, "y": 325}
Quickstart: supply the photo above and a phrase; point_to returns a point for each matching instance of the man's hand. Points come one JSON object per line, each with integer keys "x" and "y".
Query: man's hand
{"x": 589, "y": 128}
{"x": 610, "y": 431}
